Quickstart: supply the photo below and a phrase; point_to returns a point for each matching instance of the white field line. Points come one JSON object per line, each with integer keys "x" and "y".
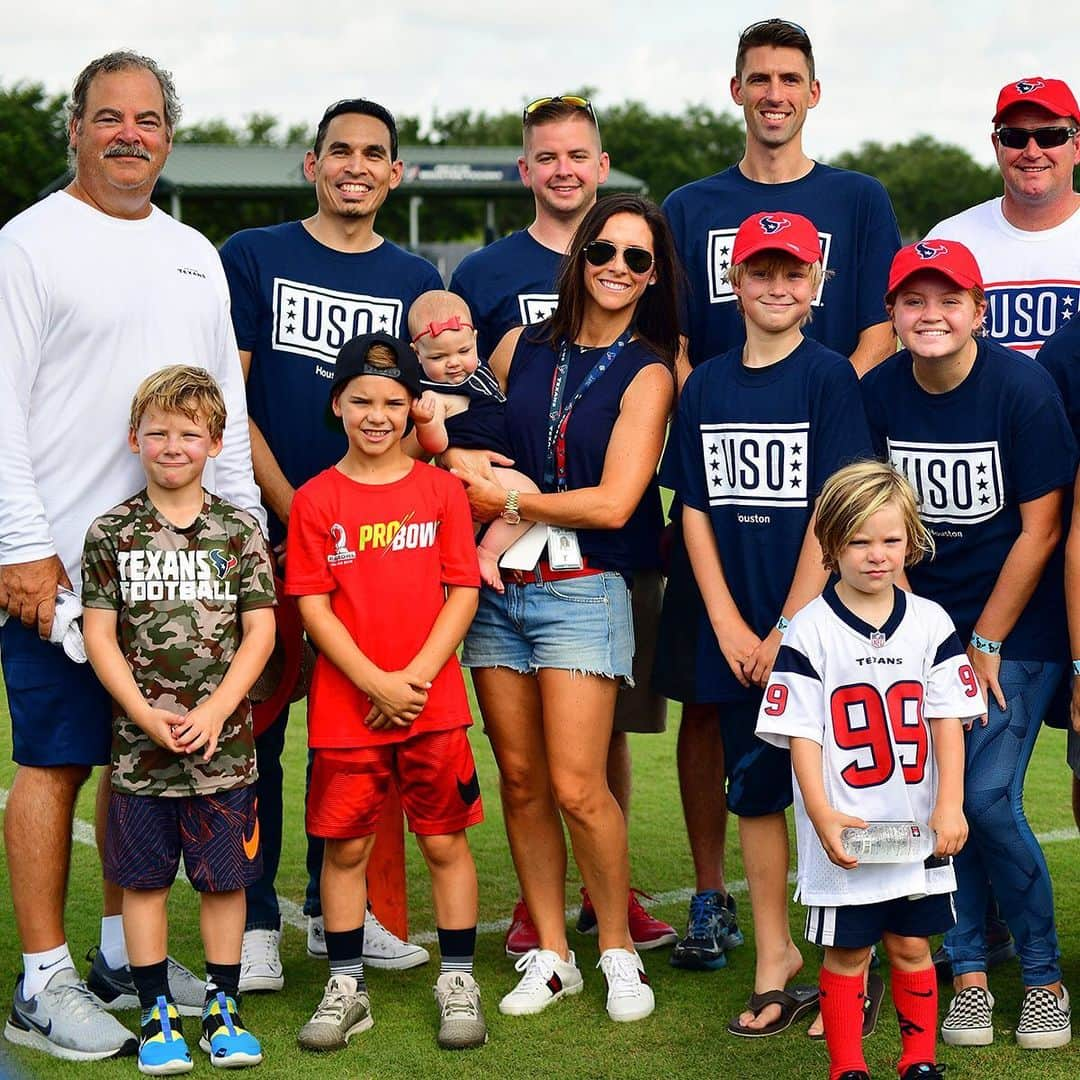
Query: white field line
{"x": 293, "y": 914}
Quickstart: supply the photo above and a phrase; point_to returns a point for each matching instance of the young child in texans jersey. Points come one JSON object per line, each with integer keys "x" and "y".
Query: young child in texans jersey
{"x": 758, "y": 431}
{"x": 178, "y": 593}
{"x": 868, "y": 692}
{"x": 381, "y": 555}
{"x": 462, "y": 405}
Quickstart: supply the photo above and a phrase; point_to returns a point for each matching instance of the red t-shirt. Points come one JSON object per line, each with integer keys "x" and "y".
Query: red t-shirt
{"x": 383, "y": 552}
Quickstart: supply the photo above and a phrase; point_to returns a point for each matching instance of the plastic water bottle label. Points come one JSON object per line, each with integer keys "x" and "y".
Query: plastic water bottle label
{"x": 889, "y": 842}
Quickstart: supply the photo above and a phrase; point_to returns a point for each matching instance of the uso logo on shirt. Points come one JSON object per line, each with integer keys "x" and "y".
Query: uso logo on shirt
{"x": 755, "y": 464}
{"x": 959, "y": 483}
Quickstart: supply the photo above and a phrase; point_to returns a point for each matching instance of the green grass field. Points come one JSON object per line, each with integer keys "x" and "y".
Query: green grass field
{"x": 685, "y": 1037}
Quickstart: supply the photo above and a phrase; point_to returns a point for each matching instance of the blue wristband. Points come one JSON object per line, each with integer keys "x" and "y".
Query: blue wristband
{"x": 782, "y": 624}
{"x": 1076, "y": 667}
{"x": 985, "y": 645}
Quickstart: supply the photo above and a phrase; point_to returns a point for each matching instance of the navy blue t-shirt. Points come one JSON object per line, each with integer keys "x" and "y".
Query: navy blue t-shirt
{"x": 295, "y": 302}
{"x": 1060, "y": 355}
{"x": 974, "y": 454}
{"x": 859, "y": 238}
{"x": 752, "y": 447}
{"x": 528, "y": 398}
{"x": 509, "y": 283}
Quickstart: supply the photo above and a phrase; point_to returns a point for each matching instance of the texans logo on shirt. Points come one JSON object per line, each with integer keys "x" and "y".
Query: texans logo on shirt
{"x": 316, "y": 322}
{"x": 536, "y": 307}
{"x": 929, "y": 251}
{"x": 718, "y": 244}
{"x": 756, "y": 464}
{"x": 771, "y": 225}
{"x": 1023, "y": 314}
{"x": 222, "y": 563}
{"x": 959, "y": 483}
{"x": 1025, "y": 87}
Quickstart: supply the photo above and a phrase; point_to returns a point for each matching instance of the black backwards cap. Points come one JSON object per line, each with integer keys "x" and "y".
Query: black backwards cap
{"x": 352, "y": 361}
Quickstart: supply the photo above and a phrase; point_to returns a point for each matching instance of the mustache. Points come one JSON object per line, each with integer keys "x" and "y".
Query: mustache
{"x": 126, "y": 149}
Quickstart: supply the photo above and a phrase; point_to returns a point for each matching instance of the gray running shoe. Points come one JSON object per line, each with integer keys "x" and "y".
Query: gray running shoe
{"x": 115, "y": 989}
{"x": 461, "y": 1020}
{"x": 67, "y": 1021}
{"x": 344, "y": 1011}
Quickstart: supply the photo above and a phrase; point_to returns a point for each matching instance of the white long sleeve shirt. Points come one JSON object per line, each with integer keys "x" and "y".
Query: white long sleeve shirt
{"x": 89, "y": 306}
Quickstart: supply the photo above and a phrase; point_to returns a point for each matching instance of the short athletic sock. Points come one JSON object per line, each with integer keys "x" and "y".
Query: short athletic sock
{"x": 915, "y": 995}
{"x": 456, "y": 949}
{"x": 40, "y": 967}
{"x": 345, "y": 951}
{"x": 223, "y": 977}
{"x": 842, "y": 1013}
{"x": 151, "y": 982}
{"x": 113, "y": 945}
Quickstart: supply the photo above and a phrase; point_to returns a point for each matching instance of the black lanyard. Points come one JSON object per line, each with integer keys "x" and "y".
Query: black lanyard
{"x": 559, "y": 418}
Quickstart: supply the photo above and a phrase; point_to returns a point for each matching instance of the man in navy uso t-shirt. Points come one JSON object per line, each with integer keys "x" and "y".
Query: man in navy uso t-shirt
{"x": 299, "y": 292}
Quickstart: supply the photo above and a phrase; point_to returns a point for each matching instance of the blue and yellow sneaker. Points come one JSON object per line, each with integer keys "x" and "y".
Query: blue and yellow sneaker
{"x": 162, "y": 1049}
{"x": 224, "y": 1037}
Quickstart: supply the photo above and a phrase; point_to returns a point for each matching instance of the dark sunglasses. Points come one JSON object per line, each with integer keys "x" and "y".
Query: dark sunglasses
{"x": 764, "y": 23}
{"x": 1016, "y": 138}
{"x": 601, "y": 252}
{"x": 584, "y": 104}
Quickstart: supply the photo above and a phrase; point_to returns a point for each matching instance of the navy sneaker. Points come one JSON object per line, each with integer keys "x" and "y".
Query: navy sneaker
{"x": 712, "y": 930}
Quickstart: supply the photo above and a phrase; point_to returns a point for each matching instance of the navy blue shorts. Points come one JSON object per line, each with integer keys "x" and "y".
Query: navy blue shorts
{"x": 856, "y": 926}
{"x": 758, "y": 774}
{"x": 60, "y": 713}
{"x": 218, "y": 835}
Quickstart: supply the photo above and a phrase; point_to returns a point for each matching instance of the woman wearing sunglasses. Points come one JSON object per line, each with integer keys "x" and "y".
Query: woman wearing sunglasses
{"x": 588, "y": 397}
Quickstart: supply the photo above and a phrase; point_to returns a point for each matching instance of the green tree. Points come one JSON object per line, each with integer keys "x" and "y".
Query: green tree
{"x": 33, "y": 144}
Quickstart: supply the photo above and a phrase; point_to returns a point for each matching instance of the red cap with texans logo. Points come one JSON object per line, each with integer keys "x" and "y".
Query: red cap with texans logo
{"x": 948, "y": 257}
{"x": 1053, "y": 95}
{"x": 775, "y": 230}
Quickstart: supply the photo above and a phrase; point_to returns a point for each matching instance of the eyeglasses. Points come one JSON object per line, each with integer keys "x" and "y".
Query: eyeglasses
{"x": 1016, "y": 138}
{"x": 764, "y": 23}
{"x": 601, "y": 252}
{"x": 584, "y": 104}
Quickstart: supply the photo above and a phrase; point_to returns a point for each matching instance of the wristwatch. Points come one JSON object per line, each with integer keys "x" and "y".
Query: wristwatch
{"x": 510, "y": 512}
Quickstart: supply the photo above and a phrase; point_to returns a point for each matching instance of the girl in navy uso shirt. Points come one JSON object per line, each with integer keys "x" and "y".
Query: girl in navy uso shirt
{"x": 982, "y": 435}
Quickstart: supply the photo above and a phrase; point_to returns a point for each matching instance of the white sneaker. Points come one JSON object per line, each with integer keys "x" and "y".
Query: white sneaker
{"x": 1045, "y": 1019}
{"x": 547, "y": 977}
{"x": 316, "y": 937}
{"x": 383, "y": 949}
{"x": 629, "y": 995}
{"x": 970, "y": 1019}
{"x": 260, "y": 961}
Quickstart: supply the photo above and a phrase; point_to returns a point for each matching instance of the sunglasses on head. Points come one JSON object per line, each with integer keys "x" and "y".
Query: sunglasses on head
{"x": 765, "y": 23}
{"x": 584, "y": 104}
{"x": 1016, "y": 138}
{"x": 601, "y": 252}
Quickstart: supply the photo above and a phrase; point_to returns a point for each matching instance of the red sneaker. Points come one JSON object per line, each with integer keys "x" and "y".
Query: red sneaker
{"x": 646, "y": 932}
{"x": 522, "y": 936}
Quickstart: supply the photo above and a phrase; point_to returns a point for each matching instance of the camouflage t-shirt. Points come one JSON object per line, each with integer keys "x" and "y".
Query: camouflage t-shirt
{"x": 178, "y": 594}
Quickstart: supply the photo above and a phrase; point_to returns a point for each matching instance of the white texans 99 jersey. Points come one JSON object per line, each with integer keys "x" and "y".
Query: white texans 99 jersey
{"x": 866, "y": 696}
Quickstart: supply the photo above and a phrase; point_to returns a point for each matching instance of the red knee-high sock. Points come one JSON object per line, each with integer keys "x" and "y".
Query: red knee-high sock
{"x": 842, "y": 1012}
{"x": 915, "y": 995}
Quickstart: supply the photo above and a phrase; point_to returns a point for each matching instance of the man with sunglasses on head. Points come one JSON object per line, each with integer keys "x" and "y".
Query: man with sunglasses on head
{"x": 1027, "y": 241}
{"x": 775, "y": 85}
{"x": 300, "y": 291}
{"x": 510, "y": 283}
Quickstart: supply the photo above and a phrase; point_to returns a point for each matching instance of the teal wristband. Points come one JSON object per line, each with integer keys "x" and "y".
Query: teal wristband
{"x": 782, "y": 624}
{"x": 1076, "y": 667}
{"x": 985, "y": 645}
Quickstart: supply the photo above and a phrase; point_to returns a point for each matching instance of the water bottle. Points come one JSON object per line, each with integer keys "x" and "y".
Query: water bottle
{"x": 889, "y": 842}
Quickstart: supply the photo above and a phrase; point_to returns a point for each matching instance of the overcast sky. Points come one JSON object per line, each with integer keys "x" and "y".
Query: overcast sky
{"x": 889, "y": 69}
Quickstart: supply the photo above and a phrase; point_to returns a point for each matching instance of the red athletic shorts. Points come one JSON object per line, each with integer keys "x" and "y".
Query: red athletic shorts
{"x": 435, "y": 776}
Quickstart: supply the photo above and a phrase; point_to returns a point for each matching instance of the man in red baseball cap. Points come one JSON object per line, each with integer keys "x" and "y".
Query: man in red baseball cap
{"x": 1028, "y": 240}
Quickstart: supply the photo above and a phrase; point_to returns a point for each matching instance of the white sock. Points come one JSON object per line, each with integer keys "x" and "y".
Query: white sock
{"x": 113, "y": 947}
{"x": 40, "y": 967}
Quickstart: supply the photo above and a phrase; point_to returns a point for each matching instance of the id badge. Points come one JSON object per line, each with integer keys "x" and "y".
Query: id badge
{"x": 563, "y": 550}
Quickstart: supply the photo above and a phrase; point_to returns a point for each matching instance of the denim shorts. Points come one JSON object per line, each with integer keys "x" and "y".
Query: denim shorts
{"x": 580, "y": 624}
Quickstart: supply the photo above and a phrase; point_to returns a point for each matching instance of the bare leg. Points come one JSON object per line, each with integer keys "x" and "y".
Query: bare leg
{"x": 578, "y": 712}
{"x": 146, "y": 925}
{"x": 501, "y": 534}
{"x": 619, "y": 771}
{"x": 453, "y": 880}
{"x": 37, "y": 837}
{"x": 700, "y": 758}
{"x": 112, "y": 895}
{"x": 221, "y": 920}
{"x": 510, "y": 704}
{"x": 343, "y": 885}
{"x": 1076, "y": 801}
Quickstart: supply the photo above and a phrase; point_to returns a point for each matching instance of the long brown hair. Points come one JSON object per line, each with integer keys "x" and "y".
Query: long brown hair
{"x": 656, "y": 318}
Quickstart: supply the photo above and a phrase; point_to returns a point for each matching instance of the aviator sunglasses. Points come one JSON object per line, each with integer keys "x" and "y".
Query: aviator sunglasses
{"x": 601, "y": 252}
{"x": 1016, "y": 138}
{"x": 569, "y": 99}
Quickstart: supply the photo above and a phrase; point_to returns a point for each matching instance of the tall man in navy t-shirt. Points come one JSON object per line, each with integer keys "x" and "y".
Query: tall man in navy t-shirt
{"x": 510, "y": 283}
{"x": 299, "y": 292}
{"x": 776, "y": 87}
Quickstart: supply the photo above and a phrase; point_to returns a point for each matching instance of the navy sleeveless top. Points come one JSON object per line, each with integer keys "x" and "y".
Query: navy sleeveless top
{"x": 528, "y": 394}
{"x": 482, "y": 426}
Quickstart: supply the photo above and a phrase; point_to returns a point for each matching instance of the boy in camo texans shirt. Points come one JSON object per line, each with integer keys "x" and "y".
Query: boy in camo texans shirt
{"x": 178, "y": 594}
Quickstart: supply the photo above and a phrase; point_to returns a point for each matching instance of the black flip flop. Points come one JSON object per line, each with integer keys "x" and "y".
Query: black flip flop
{"x": 794, "y": 1002}
{"x": 875, "y": 994}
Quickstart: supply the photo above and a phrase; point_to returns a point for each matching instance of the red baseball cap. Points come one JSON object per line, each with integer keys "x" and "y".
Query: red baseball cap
{"x": 948, "y": 257}
{"x": 1051, "y": 94}
{"x": 775, "y": 230}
